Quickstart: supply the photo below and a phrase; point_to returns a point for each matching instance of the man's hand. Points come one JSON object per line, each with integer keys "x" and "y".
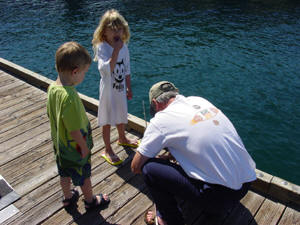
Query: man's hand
{"x": 167, "y": 156}
{"x": 137, "y": 162}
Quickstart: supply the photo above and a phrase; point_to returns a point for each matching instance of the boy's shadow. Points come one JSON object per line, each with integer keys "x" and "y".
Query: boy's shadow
{"x": 87, "y": 217}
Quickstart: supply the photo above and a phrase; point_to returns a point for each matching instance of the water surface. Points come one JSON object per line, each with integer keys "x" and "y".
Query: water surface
{"x": 243, "y": 56}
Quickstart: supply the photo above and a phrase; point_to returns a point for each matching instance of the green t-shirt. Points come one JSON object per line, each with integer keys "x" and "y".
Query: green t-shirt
{"x": 67, "y": 113}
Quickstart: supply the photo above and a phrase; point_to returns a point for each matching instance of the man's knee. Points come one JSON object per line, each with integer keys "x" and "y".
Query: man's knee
{"x": 151, "y": 171}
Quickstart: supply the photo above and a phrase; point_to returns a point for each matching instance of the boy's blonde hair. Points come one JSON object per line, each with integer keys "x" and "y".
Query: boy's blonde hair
{"x": 110, "y": 19}
{"x": 70, "y": 56}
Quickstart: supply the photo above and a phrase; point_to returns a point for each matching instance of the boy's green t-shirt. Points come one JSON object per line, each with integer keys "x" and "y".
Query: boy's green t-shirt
{"x": 67, "y": 113}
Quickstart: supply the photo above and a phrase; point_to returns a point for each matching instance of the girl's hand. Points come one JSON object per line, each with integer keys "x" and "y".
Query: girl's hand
{"x": 118, "y": 43}
{"x": 129, "y": 94}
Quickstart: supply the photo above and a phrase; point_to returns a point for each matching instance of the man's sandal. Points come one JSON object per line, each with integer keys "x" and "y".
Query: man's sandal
{"x": 94, "y": 204}
{"x": 67, "y": 203}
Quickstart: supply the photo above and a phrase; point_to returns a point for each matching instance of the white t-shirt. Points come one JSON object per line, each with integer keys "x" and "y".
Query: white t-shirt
{"x": 203, "y": 141}
{"x": 112, "y": 90}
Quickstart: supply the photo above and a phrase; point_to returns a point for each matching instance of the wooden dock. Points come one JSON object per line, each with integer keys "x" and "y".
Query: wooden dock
{"x": 27, "y": 164}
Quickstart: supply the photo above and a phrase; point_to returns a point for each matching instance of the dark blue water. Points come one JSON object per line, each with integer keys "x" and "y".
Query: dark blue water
{"x": 244, "y": 56}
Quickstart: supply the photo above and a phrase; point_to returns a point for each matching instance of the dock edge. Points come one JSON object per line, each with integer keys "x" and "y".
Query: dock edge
{"x": 268, "y": 184}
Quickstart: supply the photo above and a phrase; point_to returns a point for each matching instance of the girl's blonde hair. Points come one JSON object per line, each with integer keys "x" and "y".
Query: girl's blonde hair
{"x": 110, "y": 19}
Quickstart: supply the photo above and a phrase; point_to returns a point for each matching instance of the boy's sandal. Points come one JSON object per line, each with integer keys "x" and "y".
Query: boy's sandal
{"x": 131, "y": 145}
{"x": 71, "y": 201}
{"x": 150, "y": 220}
{"x": 95, "y": 204}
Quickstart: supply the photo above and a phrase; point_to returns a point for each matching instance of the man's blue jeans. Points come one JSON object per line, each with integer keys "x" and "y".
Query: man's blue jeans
{"x": 167, "y": 181}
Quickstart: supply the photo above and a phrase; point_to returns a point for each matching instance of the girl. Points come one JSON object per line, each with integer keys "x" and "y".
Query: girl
{"x": 112, "y": 55}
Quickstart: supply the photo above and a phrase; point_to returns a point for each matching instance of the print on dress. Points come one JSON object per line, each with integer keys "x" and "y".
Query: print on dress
{"x": 119, "y": 74}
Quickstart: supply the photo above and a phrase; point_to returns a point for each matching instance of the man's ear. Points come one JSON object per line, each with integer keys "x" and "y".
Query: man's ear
{"x": 156, "y": 105}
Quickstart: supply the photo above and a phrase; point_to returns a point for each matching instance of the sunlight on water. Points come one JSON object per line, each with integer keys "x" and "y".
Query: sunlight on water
{"x": 244, "y": 56}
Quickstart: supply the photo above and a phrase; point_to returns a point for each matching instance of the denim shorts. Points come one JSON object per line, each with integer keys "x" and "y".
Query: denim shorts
{"x": 77, "y": 174}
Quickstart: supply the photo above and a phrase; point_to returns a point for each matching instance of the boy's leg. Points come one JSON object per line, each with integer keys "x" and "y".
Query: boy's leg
{"x": 86, "y": 189}
{"x": 87, "y": 192}
{"x": 65, "y": 183}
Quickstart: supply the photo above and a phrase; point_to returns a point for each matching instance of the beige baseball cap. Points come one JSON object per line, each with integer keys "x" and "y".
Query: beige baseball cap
{"x": 159, "y": 88}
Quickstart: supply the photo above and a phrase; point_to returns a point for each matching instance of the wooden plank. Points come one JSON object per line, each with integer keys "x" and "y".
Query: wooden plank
{"x": 51, "y": 203}
{"x": 25, "y": 145}
{"x": 108, "y": 182}
{"x": 23, "y": 97}
{"x": 40, "y": 188}
{"x": 23, "y": 105}
{"x": 12, "y": 88}
{"x": 25, "y": 136}
{"x": 29, "y": 163}
{"x": 25, "y": 74}
{"x": 49, "y": 170}
{"x": 244, "y": 213}
{"x": 269, "y": 213}
{"x": 23, "y": 128}
{"x": 33, "y": 173}
{"x": 140, "y": 219}
{"x": 290, "y": 217}
{"x": 262, "y": 183}
{"x": 285, "y": 191}
{"x": 18, "y": 115}
{"x": 25, "y": 91}
{"x": 131, "y": 211}
{"x": 2, "y": 73}
{"x": 5, "y": 79}
{"x": 118, "y": 199}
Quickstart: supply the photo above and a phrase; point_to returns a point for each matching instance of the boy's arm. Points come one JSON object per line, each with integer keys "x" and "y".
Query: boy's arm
{"x": 78, "y": 138}
{"x": 128, "y": 87}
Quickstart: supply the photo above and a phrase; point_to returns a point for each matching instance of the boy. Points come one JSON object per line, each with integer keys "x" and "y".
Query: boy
{"x": 70, "y": 128}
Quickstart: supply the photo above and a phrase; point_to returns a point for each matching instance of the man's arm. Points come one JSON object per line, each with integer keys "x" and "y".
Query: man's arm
{"x": 137, "y": 162}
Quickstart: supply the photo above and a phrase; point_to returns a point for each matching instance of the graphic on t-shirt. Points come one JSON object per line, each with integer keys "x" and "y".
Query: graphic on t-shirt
{"x": 119, "y": 74}
{"x": 204, "y": 114}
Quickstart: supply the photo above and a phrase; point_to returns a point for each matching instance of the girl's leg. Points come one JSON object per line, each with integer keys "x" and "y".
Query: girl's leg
{"x": 106, "y": 137}
{"x": 108, "y": 150}
{"x": 121, "y": 131}
{"x": 122, "y": 137}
